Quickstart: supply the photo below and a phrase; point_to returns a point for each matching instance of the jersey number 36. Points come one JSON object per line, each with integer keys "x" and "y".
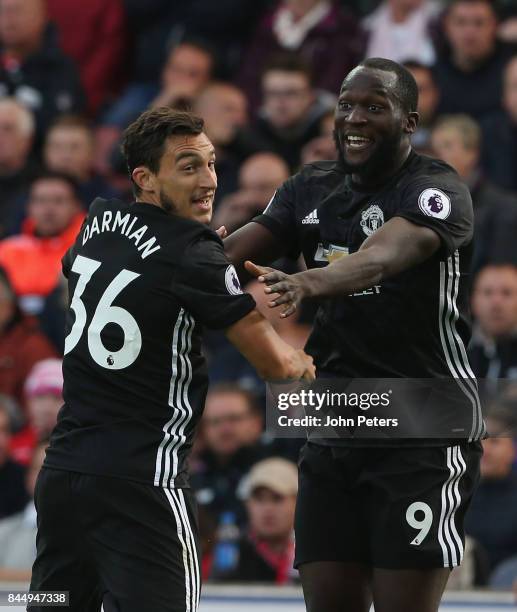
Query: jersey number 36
{"x": 104, "y": 314}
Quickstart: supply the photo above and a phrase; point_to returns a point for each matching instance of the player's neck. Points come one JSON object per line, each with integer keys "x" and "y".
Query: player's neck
{"x": 373, "y": 180}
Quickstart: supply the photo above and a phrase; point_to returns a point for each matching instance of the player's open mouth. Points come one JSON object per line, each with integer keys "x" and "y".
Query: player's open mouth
{"x": 357, "y": 142}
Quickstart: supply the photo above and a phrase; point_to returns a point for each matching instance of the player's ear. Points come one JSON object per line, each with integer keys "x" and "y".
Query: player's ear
{"x": 144, "y": 178}
{"x": 411, "y": 123}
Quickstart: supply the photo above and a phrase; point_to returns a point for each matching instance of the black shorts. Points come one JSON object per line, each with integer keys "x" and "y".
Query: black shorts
{"x": 393, "y": 508}
{"x": 127, "y": 545}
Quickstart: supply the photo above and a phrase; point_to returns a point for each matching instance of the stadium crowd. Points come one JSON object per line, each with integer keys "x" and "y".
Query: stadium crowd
{"x": 264, "y": 76}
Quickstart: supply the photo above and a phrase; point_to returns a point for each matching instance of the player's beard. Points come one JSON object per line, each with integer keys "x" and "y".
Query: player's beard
{"x": 167, "y": 204}
{"x": 375, "y": 165}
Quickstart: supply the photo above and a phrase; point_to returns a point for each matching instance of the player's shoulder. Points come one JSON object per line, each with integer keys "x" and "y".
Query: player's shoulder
{"x": 318, "y": 171}
{"x": 424, "y": 170}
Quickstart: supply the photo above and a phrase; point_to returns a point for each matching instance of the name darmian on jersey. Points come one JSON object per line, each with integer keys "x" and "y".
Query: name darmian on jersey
{"x": 124, "y": 225}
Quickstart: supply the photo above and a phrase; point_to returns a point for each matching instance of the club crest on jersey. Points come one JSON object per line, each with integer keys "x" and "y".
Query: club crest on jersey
{"x": 371, "y": 219}
{"x": 434, "y": 203}
{"x": 232, "y": 281}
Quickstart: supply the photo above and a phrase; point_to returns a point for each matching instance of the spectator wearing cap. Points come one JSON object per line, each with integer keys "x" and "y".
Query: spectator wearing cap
{"x": 18, "y": 532}
{"x": 22, "y": 344}
{"x": 44, "y": 392}
{"x": 44, "y": 398}
{"x": 13, "y": 495}
{"x": 266, "y": 549}
{"x": 32, "y": 259}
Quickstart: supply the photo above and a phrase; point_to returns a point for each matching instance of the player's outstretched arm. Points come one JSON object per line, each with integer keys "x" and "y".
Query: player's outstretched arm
{"x": 273, "y": 358}
{"x": 398, "y": 245}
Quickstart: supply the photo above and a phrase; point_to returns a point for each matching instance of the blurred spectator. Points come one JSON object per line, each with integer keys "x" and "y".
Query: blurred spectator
{"x": 469, "y": 72}
{"x": 266, "y": 550}
{"x": 401, "y": 30}
{"x": 500, "y": 135}
{"x": 231, "y": 428}
{"x": 18, "y": 532}
{"x": 291, "y": 110}
{"x": 224, "y": 109}
{"x": 32, "y": 66}
{"x": 323, "y": 146}
{"x": 17, "y": 168}
{"x": 493, "y": 349}
{"x": 157, "y": 25}
{"x": 32, "y": 259}
{"x": 259, "y": 177}
{"x": 457, "y": 140}
{"x": 93, "y": 34}
{"x": 69, "y": 148}
{"x": 44, "y": 393}
{"x": 428, "y": 98}
{"x": 492, "y": 516}
{"x": 327, "y": 37}
{"x": 21, "y": 344}
{"x": 13, "y": 495}
{"x": 187, "y": 69}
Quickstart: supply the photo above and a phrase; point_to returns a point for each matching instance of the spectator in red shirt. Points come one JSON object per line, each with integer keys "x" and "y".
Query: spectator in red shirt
{"x": 266, "y": 550}
{"x": 32, "y": 259}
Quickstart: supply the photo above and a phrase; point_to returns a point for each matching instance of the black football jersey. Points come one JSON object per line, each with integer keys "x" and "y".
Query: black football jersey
{"x": 142, "y": 285}
{"x": 415, "y": 324}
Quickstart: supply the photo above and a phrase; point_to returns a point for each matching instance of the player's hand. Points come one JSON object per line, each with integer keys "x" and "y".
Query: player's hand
{"x": 221, "y": 232}
{"x": 307, "y": 368}
{"x": 289, "y": 287}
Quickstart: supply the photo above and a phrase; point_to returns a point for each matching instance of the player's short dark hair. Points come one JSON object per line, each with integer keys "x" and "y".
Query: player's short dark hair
{"x": 144, "y": 140}
{"x": 289, "y": 61}
{"x": 51, "y": 175}
{"x": 406, "y": 89}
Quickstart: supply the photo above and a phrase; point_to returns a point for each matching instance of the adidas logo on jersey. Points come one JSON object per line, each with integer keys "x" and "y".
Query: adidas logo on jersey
{"x": 311, "y": 218}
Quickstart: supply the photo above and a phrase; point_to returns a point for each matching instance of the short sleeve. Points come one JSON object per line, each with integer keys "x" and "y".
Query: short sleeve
{"x": 207, "y": 285}
{"x": 279, "y": 216}
{"x": 444, "y": 205}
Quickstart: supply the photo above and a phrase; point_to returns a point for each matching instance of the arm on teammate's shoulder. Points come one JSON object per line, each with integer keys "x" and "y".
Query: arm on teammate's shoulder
{"x": 273, "y": 358}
